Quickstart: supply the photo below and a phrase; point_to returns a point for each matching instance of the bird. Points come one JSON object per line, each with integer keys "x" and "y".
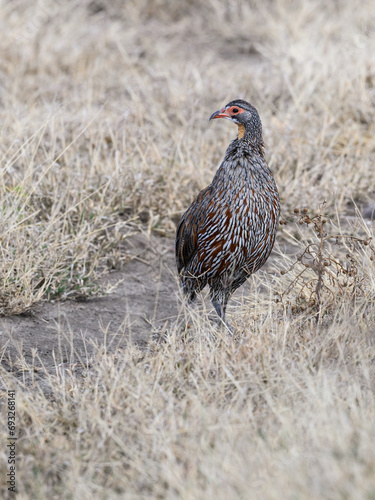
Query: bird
{"x": 228, "y": 232}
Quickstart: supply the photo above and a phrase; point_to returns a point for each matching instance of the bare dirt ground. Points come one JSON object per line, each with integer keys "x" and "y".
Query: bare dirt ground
{"x": 145, "y": 299}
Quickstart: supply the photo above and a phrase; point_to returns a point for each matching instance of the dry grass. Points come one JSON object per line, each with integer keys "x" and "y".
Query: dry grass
{"x": 284, "y": 413}
{"x": 104, "y": 109}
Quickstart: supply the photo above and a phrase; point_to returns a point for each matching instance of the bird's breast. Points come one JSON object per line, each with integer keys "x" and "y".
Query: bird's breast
{"x": 240, "y": 222}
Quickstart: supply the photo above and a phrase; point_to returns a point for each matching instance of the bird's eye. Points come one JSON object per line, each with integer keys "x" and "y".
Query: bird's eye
{"x": 234, "y": 110}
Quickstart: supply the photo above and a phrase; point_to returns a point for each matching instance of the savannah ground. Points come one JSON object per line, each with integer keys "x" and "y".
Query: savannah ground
{"x": 121, "y": 390}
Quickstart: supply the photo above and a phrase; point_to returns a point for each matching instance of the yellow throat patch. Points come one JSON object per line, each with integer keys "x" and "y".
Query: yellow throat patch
{"x": 241, "y": 131}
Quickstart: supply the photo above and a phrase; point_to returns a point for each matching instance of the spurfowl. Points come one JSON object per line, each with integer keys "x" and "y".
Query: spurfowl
{"x": 229, "y": 230}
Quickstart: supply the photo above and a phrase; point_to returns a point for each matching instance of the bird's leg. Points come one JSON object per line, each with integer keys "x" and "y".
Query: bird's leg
{"x": 220, "y": 307}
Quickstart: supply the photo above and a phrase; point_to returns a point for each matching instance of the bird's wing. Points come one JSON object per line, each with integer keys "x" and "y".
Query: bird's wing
{"x": 188, "y": 230}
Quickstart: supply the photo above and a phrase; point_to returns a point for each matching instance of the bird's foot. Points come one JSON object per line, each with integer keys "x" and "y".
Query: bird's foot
{"x": 225, "y": 328}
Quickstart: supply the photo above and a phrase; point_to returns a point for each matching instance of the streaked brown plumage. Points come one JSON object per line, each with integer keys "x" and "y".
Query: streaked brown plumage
{"x": 229, "y": 230}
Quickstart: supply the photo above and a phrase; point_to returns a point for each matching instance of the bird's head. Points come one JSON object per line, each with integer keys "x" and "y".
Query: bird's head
{"x": 245, "y": 116}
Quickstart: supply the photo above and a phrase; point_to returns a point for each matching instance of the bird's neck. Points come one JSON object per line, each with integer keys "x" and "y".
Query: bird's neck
{"x": 250, "y": 134}
{"x": 246, "y": 144}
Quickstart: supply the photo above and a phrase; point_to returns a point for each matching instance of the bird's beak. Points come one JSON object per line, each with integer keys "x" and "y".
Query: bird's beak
{"x": 222, "y": 113}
